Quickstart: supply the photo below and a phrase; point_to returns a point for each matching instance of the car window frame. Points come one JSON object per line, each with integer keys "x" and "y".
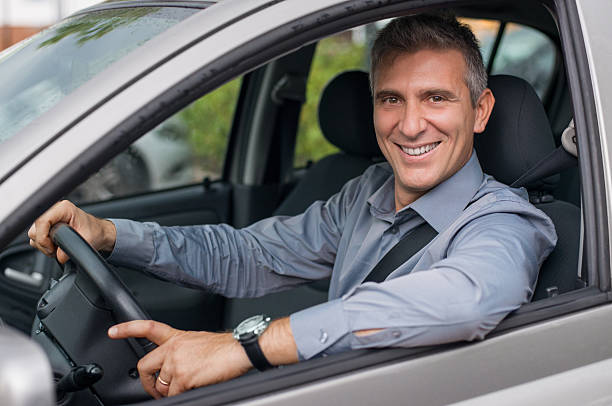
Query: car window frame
{"x": 284, "y": 39}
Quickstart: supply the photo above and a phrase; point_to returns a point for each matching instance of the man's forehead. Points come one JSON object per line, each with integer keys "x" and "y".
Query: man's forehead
{"x": 425, "y": 68}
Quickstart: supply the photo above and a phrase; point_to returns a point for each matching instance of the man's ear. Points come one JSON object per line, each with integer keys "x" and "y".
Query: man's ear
{"x": 484, "y": 107}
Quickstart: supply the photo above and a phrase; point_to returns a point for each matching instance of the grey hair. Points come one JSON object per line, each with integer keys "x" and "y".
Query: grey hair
{"x": 431, "y": 31}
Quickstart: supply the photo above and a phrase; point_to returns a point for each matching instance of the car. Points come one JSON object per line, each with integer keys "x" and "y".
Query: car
{"x": 158, "y": 160}
{"x": 245, "y": 78}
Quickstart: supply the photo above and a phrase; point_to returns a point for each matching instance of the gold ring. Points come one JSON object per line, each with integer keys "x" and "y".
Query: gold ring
{"x": 159, "y": 378}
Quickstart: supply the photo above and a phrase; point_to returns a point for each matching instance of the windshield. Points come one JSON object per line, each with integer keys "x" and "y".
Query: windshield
{"x": 37, "y": 73}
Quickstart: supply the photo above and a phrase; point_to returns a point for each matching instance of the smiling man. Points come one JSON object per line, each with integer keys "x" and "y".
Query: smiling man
{"x": 430, "y": 97}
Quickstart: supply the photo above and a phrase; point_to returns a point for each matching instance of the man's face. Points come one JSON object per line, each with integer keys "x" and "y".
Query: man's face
{"x": 424, "y": 119}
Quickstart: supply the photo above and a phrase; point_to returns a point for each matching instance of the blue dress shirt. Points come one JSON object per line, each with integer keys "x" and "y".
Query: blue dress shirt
{"x": 482, "y": 265}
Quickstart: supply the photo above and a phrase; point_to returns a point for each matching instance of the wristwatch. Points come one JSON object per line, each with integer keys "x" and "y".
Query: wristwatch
{"x": 247, "y": 333}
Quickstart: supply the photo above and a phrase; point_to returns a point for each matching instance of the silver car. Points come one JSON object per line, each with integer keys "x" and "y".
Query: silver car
{"x": 243, "y": 78}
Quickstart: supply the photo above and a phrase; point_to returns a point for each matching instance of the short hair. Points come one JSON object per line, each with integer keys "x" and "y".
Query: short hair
{"x": 413, "y": 33}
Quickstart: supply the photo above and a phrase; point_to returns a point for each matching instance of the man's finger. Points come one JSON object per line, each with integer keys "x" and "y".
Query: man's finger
{"x": 162, "y": 386}
{"x": 175, "y": 388}
{"x": 42, "y": 237}
{"x": 148, "y": 366}
{"x": 154, "y": 331}
{"x": 61, "y": 256}
{"x": 32, "y": 231}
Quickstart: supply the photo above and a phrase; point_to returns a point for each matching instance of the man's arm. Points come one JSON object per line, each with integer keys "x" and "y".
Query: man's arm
{"x": 490, "y": 270}
{"x": 268, "y": 256}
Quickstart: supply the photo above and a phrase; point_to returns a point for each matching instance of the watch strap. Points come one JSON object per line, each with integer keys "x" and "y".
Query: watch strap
{"x": 255, "y": 354}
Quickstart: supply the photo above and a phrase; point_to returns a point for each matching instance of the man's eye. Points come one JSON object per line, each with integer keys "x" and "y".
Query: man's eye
{"x": 436, "y": 99}
{"x": 390, "y": 100}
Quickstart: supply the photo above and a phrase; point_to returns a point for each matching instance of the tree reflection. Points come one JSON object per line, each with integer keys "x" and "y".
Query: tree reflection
{"x": 95, "y": 25}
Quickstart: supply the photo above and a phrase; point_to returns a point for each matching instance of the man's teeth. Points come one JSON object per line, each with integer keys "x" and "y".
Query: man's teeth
{"x": 421, "y": 150}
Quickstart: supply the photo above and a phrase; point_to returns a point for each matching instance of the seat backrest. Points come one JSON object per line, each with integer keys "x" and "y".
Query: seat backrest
{"x": 345, "y": 119}
{"x": 517, "y": 137}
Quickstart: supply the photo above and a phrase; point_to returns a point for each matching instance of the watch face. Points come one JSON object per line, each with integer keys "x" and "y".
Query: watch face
{"x": 253, "y": 325}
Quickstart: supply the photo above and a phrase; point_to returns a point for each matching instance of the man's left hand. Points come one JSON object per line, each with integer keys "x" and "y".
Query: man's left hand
{"x": 183, "y": 360}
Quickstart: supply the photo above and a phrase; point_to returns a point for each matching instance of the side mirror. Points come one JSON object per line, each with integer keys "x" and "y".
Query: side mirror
{"x": 25, "y": 372}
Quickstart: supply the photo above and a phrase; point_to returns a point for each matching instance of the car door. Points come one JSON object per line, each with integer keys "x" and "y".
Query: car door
{"x": 549, "y": 331}
{"x": 185, "y": 171}
{"x": 542, "y": 339}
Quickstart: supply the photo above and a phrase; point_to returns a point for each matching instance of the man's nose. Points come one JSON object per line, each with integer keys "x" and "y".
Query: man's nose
{"x": 412, "y": 121}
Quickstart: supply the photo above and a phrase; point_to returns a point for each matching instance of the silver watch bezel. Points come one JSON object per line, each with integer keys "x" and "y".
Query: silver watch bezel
{"x": 252, "y": 326}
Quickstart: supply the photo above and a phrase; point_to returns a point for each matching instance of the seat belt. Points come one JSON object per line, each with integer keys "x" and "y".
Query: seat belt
{"x": 410, "y": 244}
{"x": 565, "y": 156}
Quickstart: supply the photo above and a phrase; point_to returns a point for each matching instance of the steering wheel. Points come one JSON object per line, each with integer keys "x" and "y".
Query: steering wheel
{"x": 115, "y": 293}
{"x": 74, "y": 314}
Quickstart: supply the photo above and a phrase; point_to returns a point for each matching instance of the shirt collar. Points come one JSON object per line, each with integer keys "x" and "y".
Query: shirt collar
{"x": 441, "y": 205}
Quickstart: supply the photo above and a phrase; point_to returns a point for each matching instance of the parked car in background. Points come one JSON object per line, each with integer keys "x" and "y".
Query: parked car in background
{"x": 159, "y": 160}
{"x": 206, "y": 112}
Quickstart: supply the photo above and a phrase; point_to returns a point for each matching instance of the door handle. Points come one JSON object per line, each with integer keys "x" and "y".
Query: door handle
{"x": 33, "y": 279}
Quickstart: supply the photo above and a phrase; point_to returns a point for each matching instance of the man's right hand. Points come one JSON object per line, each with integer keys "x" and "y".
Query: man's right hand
{"x": 99, "y": 233}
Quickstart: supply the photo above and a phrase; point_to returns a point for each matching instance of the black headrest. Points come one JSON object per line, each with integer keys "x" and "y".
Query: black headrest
{"x": 518, "y": 134}
{"x": 345, "y": 114}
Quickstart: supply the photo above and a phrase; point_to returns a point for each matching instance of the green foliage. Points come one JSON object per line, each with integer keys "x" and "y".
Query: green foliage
{"x": 333, "y": 55}
{"x": 209, "y": 121}
{"x": 96, "y": 25}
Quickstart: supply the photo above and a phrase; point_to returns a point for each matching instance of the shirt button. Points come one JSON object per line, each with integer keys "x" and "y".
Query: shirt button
{"x": 396, "y": 334}
{"x": 323, "y": 337}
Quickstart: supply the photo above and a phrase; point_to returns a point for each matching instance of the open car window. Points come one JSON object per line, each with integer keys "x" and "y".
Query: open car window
{"x": 185, "y": 149}
{"x": 350, "y": 375}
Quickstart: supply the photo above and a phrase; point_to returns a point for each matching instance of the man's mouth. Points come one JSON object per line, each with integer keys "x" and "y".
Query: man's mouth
{"x": 420, "y": 150}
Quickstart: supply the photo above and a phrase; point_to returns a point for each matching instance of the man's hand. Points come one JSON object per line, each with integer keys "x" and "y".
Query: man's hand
{"x": 100, "y": 234}
{"x": 185, "y": 360}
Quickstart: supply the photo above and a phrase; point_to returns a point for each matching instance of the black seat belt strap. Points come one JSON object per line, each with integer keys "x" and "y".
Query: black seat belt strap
{"x": 412, "y": 243}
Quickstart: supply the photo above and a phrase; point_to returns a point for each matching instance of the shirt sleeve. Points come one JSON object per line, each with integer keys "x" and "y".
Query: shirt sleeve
{"x": 490, "y": 269}
{"x": 271, "y": 255}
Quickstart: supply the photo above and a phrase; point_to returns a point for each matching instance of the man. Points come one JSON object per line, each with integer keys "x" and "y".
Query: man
{"x": 430, "y": 97}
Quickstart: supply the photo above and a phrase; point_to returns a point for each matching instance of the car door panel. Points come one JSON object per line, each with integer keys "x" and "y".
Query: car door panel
{"x": 24, "y": 276}
{"x": 198, "y": 204}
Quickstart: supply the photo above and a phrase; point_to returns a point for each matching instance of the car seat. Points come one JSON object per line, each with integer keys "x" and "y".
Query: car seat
{"x": 517, "y": 137}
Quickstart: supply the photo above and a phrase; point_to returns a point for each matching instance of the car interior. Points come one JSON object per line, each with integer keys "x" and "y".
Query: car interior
{"x": 257, "y": 177}
{"x": 505, "y": 151}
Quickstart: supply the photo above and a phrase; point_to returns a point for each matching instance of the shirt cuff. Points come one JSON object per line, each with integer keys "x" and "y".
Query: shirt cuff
{"x": 321, "y": 330}
{"x": 134, "y": 247}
